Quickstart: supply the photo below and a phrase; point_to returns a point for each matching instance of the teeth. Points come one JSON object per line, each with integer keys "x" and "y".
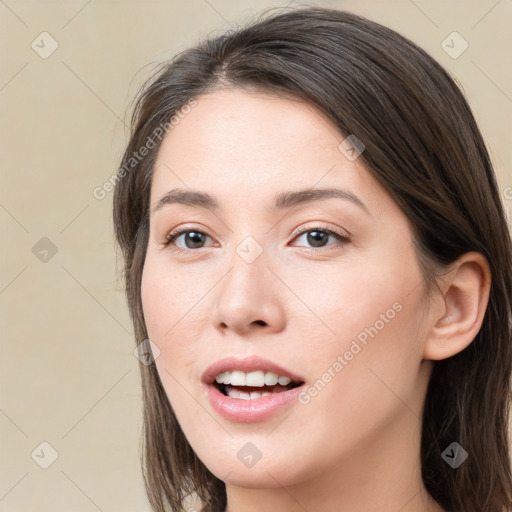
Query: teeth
{"x": 271, "y": 379}
{"x": 254, "y": 379}
{"x": 234, "y": 393}
{"x": 238, "y": 379}
{"x": 284, "y": 381}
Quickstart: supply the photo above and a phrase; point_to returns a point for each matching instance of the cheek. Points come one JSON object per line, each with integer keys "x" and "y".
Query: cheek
{"x": 174, "y": 315}
{"x": 158, "y": 304}
{"x": 165, "y": 298}
{"x": 362, "y": 377}
{"x": 349, "y": 299}
{"x": 370, "y": 327}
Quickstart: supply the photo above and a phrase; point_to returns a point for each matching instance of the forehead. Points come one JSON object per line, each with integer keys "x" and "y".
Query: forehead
{"x": 254, "y": 111}
{"x": 252, "y": 143}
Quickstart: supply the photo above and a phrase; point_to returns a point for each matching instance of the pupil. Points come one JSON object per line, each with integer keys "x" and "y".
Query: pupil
{"x": 314, "y": 240}
{"x": 193, "y": 236}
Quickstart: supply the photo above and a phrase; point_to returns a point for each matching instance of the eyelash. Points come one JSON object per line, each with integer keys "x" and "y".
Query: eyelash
{"x": 342, "y": 238}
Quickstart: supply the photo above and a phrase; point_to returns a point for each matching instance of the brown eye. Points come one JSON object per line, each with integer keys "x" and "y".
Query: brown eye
{"x": 318, "y": 237}
{"x": 191, "y": 238}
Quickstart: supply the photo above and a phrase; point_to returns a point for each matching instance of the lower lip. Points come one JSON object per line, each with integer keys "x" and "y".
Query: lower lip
{"x": 250, "y": 411}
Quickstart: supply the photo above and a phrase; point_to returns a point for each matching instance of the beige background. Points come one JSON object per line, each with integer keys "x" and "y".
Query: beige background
{"x": 68, "y": 374}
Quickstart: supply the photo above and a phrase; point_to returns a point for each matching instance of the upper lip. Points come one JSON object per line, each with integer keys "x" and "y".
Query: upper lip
{"x": 247, "y": 364}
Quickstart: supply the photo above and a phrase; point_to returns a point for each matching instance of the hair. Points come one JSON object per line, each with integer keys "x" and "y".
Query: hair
{"x": 423, "y": 145}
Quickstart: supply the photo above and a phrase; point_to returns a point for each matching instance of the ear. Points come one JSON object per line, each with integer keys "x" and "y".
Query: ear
{"x": 464, "y": 298}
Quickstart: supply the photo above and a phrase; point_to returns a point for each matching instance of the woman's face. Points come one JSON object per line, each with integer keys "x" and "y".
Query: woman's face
{"x": 340, "y": 307}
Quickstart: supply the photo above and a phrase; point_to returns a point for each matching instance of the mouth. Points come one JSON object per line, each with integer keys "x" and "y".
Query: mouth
{"x": 250, "y": 378}
{"x": 246, "y": 392}
{"x": 251, "y": 404}
{"x": 252, "y": 389}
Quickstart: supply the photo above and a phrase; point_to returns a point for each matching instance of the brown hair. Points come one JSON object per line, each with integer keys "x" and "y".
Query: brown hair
{"x": 423, "y": 145}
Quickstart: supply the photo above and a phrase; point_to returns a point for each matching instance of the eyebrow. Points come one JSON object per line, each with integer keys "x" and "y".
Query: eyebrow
{"x": 284, "y": 200}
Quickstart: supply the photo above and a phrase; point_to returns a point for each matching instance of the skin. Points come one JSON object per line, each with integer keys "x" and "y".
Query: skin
{"x": 355, "y": 445}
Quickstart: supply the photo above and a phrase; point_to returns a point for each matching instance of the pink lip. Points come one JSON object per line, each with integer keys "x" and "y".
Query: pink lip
{"x": 248, "y": 364}
{"x": 247, "y": 411}
{"x": 250, "y": 411}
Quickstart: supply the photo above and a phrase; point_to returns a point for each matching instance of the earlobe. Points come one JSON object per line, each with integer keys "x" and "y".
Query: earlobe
{"x": 465, "y": 295}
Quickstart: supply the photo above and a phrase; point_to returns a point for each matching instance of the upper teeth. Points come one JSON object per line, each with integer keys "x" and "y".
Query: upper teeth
{"x": 257, "y": 379}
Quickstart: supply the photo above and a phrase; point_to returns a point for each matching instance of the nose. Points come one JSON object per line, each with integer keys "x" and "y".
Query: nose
{"x": 249, "y": 299}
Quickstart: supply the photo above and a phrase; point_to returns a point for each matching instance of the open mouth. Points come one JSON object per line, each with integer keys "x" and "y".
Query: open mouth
{"x": 253, "y": 392}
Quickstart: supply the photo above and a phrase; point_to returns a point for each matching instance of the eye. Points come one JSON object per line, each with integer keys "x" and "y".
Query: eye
{"x": 193, "y": 239}
{"x": 318, "y": 236}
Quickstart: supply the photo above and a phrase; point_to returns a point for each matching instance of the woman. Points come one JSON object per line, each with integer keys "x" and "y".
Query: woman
{"x": 315, "y": 245}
